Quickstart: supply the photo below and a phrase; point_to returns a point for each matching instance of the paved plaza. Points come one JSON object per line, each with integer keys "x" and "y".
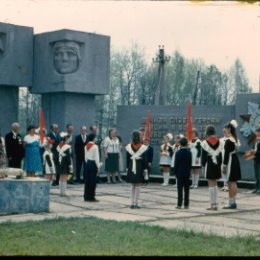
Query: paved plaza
{"x": 157, "y": 208}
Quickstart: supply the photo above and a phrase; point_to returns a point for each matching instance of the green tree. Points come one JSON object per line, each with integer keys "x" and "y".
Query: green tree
{"x": 237, "y": 81}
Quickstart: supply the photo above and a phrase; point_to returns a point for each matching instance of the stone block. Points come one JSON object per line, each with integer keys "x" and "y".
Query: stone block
{"x": 71, "y": 61}
{"x": 25, "y": 195}
{"x": 16, "y": 55}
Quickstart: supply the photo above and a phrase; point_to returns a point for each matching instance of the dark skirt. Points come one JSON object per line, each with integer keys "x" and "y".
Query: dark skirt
{"x": 90, "y": 172}
{"x": 235, "y": 171}
{"x": 134, "y": 178}
{"x": 64, "y": 168}
{"x": 139, "y": 176}
{"x": 213, "y": 171}
{"x": 195, "y": 167}
{"x": 112, "y": 162}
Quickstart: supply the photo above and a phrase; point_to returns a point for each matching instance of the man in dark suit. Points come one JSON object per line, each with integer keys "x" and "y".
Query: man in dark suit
{"x": 14, "y": 147}
{"x": 55, "y": 140}
{"x": 149, "y": 157}
{"x": 80, "y": 142}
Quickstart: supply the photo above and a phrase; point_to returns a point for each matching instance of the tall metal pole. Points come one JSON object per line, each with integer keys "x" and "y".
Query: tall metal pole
{"x": 160, "y": 92}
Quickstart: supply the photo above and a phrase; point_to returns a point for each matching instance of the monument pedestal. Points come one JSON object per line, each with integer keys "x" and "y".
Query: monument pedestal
{"x": 8, "y": 107}
{"x": 23, "y": 196}
{"x": 64, "y": 108}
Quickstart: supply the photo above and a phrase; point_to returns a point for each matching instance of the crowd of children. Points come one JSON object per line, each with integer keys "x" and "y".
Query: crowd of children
{"x": 214, "y": 157}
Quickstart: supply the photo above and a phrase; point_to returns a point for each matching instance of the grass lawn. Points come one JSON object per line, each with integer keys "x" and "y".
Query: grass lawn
{"x": 92, "y": 236}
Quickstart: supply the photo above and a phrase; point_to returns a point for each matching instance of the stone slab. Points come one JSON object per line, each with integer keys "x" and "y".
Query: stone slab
{"x": 229, "y": 221}
{"x": 25, "y": 195}
{"x": 205, "y": 228}
{"x": 118, "y": 216}
{"x": 59, "y": 207}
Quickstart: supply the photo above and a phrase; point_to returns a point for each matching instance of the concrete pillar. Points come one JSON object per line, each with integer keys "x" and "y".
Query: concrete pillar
{"x": 16, "y": 57}
{"x": 63, "y": 108}
{"x": 8, "y": 107}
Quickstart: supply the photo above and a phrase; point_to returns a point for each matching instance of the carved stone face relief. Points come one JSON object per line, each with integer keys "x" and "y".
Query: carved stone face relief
{"x": 66, "y": 57}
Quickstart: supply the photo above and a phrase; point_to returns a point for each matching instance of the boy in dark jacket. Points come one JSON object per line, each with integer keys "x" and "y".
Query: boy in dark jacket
{"x": 182, "y": 170}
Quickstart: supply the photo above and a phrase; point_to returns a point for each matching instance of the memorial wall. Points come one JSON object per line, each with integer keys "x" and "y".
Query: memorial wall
{"x": 172, "y": 119}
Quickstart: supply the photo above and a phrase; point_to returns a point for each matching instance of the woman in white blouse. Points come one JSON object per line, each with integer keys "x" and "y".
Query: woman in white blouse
{"x": 111, "y": 150}
{"x": 92, "y": 166}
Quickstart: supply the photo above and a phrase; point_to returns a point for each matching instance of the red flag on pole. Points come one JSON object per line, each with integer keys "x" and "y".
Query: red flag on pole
{"x": 147, "y": 128}
{"x": 189, "y": 122}
{"x": 42, "y": 125}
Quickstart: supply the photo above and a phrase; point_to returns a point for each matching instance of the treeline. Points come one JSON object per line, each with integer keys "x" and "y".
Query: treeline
{"x": 133, "y": 81}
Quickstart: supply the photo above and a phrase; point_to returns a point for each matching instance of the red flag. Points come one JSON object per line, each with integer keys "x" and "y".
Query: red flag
{"x": 189, "y": 122}
{"x": 148, "y": 126}
{"x": 42, "y": 125}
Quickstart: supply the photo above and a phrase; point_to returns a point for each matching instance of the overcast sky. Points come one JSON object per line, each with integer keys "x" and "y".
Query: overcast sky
{"x": 217, "y": 32}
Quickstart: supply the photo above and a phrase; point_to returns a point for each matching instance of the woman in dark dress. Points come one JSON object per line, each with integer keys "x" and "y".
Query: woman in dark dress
{"x": 231, "y": 165}
{"x": 211, "y": 163}
{"x": 137, "y": 167}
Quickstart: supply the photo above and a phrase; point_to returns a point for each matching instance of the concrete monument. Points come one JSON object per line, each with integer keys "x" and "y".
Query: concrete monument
{"x": 70, "y": 68}
{"x": 172, "y": 119}
{"x": 16, "y": 57}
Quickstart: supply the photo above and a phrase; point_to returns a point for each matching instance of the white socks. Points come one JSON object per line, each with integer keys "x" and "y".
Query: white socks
{"x": 213, "y": 194}
{"x": 63, "y": 187}
{"x": 195, "y": 180}
{"x": 192, "y": 180}
{"x": 232, "y": 200}
{"x": 166, "y": 177}
{"x": 135, "y": 193}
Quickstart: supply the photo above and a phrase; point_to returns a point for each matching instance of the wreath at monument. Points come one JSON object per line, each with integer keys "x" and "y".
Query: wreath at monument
{"x": 252, "y": 121}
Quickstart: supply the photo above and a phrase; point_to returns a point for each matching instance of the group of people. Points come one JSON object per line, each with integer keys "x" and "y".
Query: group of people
{"x": 215, "y": 157}
{"x": 50, "y": 156}
{"x": 53, "y": 156}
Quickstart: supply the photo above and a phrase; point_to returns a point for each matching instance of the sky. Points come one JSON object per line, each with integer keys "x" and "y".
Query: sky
{"x": 217, "y": 32}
